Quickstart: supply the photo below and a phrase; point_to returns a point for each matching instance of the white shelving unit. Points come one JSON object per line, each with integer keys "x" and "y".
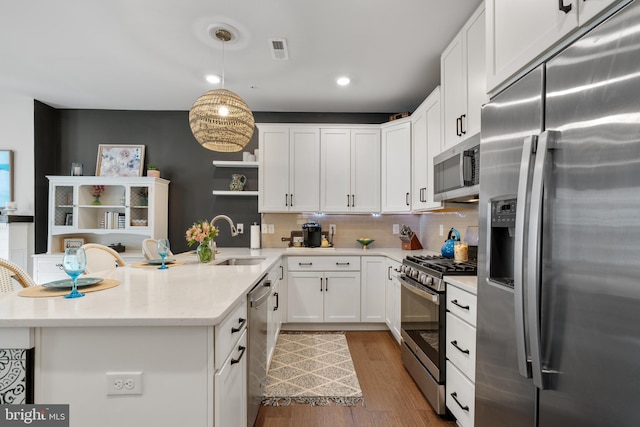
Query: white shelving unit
{"x": 137, "y": 208}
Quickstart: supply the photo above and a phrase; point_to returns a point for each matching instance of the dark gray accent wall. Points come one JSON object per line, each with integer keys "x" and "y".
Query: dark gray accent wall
{"x": 170, "y": 145}
{"x": 46, "y": 123}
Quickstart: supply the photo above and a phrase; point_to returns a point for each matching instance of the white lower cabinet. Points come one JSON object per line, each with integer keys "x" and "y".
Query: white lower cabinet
{"x": 230, "y": 393}
{"x": 323, "y": 297}
{"x": 461, "y": 354}
{"x": 274, "y": 313}
{"x": 392, "y": 299}
{"x": 460, "y": 397}
{"x": 323, "y": 289}
{"x": 231, "y": 387}
{"x": 372, "y": 299}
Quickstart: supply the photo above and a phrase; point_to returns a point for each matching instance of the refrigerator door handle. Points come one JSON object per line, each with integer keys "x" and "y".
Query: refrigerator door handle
{"x": 546, "y": 141}
{"x": 519, "y": 283}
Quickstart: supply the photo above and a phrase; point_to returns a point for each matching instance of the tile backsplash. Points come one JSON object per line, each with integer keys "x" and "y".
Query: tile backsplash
{"x": 378, "y": 227}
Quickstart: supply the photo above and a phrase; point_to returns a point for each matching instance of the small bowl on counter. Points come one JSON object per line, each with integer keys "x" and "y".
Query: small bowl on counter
{"x": 365, "y": 242}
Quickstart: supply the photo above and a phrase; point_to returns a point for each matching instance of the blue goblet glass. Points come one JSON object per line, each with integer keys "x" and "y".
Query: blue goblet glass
{"x": 74, "y": 263}
{"x": 163, "y": 251}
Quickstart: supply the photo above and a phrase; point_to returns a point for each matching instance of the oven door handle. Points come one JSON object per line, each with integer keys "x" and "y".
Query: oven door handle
{"x": 434, "y": 297}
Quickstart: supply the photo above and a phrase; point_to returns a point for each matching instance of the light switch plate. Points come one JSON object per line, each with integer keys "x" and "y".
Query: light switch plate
{"x": 271, "y": 229}
{"x": 240, "y": 228}
{"x": 396, "y": 228}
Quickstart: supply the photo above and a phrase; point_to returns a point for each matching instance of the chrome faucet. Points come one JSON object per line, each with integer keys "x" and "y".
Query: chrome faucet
{"x": 234, "y": 232}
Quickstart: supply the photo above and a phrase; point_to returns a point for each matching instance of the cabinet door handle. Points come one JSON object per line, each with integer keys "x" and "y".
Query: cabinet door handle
{"x": 464, "y": 307}
{"x": 326, "y": 284}
{"x": 291, "y": 204}
{"x": 347, "y": 200}
{"x": 389, "y": 272}
{"x": 564, "y": 8}
{"x": 343, "y": 263}
{"x": 286, "y": 199}
{"x": 242, "y": 350}
{"x": 406, "y": 199}
{"x": 353, "y": 201}
{"x": 458, "y": 125}
{"x": 239, "y": 328}
{"x": 281, "y": 272}
{"x": 462, "y": 130}
{"x": 455, "y": 397}
{"x": 277, "y": 295}
{"x": 455, "y": 344}
{"x": 321, "y": 284}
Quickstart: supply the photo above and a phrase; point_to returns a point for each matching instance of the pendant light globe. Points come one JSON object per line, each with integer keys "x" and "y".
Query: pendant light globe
{"x": 220, "y": 120}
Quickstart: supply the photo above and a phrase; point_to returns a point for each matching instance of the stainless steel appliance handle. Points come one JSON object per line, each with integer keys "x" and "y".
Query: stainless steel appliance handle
{"x": 424, "y": 293}
{"x": 518, "y": 253}
{"x": 546, "y": 142}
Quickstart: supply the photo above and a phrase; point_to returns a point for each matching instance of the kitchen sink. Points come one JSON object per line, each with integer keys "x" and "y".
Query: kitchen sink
{"x": 239, "y": 261}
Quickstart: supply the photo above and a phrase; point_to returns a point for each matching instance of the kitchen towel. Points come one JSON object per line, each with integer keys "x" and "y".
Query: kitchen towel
{"x": 255, "y": 236}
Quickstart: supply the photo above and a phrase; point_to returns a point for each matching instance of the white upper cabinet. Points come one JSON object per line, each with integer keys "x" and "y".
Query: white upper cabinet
{"x": 289, "y": 169}
{"x": 462, "y": 68}
{"x": 519, "y": 31}
{"x": 396, "y": 166}
{"x": 425, "y": 144}
{"x": 350, "y": 170}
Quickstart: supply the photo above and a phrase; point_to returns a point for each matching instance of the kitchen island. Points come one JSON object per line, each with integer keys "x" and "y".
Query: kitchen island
{"x": 161, "y": 323}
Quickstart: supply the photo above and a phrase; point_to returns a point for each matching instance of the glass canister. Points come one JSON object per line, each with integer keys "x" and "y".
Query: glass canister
{"x": 461, "y": 251}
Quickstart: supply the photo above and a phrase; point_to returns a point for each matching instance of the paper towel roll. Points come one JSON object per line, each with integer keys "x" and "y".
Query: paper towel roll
{"x": 255, "y": 236}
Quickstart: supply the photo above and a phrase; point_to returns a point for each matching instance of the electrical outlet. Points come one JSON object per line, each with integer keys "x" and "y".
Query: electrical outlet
{"x": 271, "y": 229}
{"x": 332, "y": 229}
{"x": 441, "y": 230}
{"x": 124, "y": 383}
{"x": 396, "y": 228}
{"x": 264, "y": 228}
{"x": 240, "y": 228}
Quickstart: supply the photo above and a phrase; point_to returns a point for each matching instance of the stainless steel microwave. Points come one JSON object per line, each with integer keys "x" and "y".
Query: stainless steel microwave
{"x": 456, "y": 172}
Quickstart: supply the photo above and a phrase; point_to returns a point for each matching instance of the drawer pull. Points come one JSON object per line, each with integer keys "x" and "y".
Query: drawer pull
{"x": 455, "y": 344}
{"x": 239, "y": 328}
{"x": 304, "y": 263}
{"x": 343, "y": 263}
{"x": 242, "y": 350}
{"x": 464, "y": 307}
{"x": 455, "y": 397}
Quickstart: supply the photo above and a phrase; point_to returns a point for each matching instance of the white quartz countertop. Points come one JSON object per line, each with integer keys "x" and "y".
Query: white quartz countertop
{"x": 190, "y": 294}
{"x": 467, "y": 283}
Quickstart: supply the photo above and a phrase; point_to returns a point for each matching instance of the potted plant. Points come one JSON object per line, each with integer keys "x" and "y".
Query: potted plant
{"x": 153, "y": 170}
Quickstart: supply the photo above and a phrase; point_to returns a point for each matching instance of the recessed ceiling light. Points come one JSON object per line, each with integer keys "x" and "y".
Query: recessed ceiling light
{"x": 213, "y": 78}
{"x": 343, "y": 81}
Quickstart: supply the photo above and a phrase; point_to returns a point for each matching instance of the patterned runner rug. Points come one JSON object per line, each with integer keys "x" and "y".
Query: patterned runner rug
{"x": 315, "y": 369}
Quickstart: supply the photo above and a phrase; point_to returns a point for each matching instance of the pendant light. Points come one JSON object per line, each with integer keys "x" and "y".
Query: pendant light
{"x": 220, "y": 120}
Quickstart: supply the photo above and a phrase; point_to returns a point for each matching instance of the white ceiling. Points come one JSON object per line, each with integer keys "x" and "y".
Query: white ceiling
{"x": 153, "y": 54}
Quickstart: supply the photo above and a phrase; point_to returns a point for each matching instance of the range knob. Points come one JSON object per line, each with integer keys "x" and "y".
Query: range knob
{"x": 423, "y": 278}
{"x": 429, "y": 281}
{"x": 414, "y": 274}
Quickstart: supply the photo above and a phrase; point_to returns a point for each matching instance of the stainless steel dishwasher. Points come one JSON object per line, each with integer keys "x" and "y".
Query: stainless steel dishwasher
{"x": 257, "y": 346}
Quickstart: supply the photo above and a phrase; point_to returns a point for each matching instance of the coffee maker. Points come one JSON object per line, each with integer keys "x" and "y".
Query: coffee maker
{"x": 312, "y": 235}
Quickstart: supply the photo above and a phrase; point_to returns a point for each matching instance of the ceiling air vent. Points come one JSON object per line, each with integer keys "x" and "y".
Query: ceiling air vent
{"x": 279, "y": 49}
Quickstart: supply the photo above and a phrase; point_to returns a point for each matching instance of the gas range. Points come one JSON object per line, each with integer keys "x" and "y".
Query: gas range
{"x": 429, "y": 270}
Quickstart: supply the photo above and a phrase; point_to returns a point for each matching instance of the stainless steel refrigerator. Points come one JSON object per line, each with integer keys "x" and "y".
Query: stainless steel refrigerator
{"x": 558, "y": 336}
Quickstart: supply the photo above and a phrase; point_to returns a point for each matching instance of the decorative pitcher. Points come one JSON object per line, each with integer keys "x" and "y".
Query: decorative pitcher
{"x": 237, "y": 182}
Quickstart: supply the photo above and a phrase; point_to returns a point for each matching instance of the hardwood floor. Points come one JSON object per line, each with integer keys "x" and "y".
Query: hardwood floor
{"x": 391, "y": 397}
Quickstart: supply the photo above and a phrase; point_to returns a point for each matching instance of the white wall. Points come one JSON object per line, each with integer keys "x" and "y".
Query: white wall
{"x": 16, "y": 133}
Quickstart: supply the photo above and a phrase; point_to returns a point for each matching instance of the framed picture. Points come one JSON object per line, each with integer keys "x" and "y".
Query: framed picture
{"x": 120, "y": 160}
{"x": 74, "y": 242}
{"x": 68, "y": 219}
{"x": 6, "y": 177}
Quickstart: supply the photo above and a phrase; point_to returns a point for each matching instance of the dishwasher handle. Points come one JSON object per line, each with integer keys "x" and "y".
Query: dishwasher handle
{"x": 260, "y": 292}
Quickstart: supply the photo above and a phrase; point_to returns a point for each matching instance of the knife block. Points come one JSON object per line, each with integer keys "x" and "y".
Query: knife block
{"x": 411, "y": 245}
